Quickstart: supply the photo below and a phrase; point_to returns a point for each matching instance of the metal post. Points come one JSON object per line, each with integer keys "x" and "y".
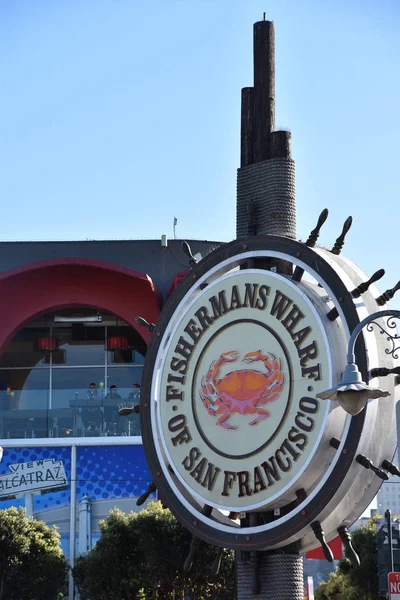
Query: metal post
{"x": 29, "y": 504}
{"x": 72, "y": 524}
{"x": 388, "y": 516}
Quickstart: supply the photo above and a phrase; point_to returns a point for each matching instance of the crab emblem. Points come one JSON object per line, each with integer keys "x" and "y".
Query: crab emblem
{"x": 243, "y": 391}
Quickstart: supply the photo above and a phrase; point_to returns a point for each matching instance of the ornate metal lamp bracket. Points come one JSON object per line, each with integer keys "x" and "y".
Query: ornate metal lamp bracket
{"x": 393, "y": 339}
{"x": 370, "y": 322}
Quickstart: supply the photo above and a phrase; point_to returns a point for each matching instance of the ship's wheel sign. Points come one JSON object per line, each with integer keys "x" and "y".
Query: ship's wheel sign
{"x": 235, "y": 429}
{"x": 231, "y": 419}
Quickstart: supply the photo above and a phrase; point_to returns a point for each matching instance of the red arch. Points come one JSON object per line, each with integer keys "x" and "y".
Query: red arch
{"x": 32, "y": 290}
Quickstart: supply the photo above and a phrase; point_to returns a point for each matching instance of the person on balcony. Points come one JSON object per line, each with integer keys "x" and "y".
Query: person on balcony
{"x": 113, "y": 393}
{"x": 92, "y": 412}
{"x": 111, "y": 410}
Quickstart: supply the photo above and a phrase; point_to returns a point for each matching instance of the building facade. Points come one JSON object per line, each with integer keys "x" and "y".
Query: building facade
{"x": 388, "y": 497}
{"x": 71, "y": 354}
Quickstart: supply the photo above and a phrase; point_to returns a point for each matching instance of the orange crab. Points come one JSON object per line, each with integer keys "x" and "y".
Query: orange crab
{"x": 244, "y": 391}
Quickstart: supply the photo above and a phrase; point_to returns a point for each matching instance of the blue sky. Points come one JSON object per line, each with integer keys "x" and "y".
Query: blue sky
{"x": 117, "y": 116}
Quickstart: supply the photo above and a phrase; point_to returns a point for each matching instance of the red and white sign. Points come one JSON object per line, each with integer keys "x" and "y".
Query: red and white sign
{"x": 394, "y": 586}
{"x": 336, "y": 547}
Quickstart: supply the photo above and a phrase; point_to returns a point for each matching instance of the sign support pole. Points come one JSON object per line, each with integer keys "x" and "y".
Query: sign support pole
{"x": 266, "y": 166}
{"x": 280, "y": 577}
{"x": 72, "y": 524}
{"x": 28, "y": 497}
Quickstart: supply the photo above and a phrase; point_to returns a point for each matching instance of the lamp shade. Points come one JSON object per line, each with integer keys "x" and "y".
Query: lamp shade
{"x": 117, "y": 342}
{"x": 352, "y": 393}
{"x": 47, "y": 344}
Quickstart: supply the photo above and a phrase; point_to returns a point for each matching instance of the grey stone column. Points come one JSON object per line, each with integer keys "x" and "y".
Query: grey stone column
{"x": 280, "y": 577}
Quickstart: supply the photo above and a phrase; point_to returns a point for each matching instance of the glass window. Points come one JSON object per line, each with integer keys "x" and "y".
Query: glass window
{"x": 47, "y": 392}
{"x": 72, "y": 385}
{"x": 124, "y": 378}
{"x": 24, "y": 403}
{"x": 77, "y": 401}
{"x": 24, "y": 389}
{"x": 23, "y": 350}
{"x": 124, "y": 346}
{"x": 80, "y": 344}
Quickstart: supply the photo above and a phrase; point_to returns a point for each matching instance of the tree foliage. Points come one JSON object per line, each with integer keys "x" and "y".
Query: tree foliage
{"x": 32, "y": 566}
{"x": 359, "y": 583}
{"x": 141, "y": 555}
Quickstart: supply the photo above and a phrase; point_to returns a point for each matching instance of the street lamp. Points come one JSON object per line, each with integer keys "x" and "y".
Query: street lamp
{"x": 353, "y": 393}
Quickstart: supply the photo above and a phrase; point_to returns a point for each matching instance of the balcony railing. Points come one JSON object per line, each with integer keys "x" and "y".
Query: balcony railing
{"x": 28, "y": 414}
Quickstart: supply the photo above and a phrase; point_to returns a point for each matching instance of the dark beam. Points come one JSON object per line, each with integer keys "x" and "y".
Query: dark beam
{"x": 264, "y": 88}
{"x": 280, "y": 144}
{"x": 246, "y": 133}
